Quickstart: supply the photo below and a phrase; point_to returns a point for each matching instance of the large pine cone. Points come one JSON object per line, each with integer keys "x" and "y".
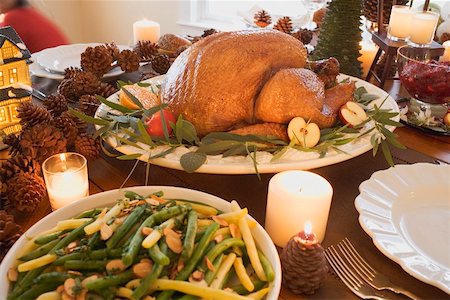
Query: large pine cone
{"x": 146, "y": 50}
{"x": 284, "y": 24}
{"x": 71, "y": 72}
{"x": 89, "y": 104}
{"x": 12, "y": 140}
{"x": 17, "y": 164}
{"x": 42, "y": 141}
{"x": 84, "y": 83}
{"x": 262, "y": 18}
{"x": 67, "y": 126}
{"x": 113, "y": 50}
{"x": 67, "y": 89}
{"x": 303, "y": 35}
{"x": 10, "y": 232}
{"x": 96, "y": 60}
{"x": 26, "y": 191}
{"x": 370, "y": 9}
{"x": 80, "y": 124}
{"x": 31, "y": 114}
{"x": 105, "y": 90}
{"x": 160, "y": 63}
{"x": 128, "y": 61}
{"x": 56, "y": 104}
{"x": 87, "y": 146}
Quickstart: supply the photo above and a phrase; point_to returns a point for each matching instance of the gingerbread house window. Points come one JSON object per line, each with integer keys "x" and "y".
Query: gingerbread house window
{"x": 13, "y": 75}
{"x": 3, "y": 115}
{"x": 7, "y": 52}
{"x": 2, "y": 80}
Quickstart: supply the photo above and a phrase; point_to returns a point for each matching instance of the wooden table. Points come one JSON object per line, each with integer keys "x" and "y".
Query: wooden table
{"x": 108, "y": 173}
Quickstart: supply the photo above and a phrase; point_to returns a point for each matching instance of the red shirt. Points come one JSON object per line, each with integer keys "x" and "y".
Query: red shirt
{"x": 35, "y": 30}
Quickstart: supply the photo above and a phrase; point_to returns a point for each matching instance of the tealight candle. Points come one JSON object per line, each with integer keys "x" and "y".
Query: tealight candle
{"x": 368, "y": 52}
{"x": 446, "y": 55}
{"x": 145, "y": 30}
{"x": 400, "y": 22}
{"x": 66, "y": 178}
{"x": 424, "y": 24}
{"x": 294, "y": 199}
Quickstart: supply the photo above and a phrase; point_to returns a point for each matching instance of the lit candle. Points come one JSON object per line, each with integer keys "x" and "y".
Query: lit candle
{"x": 294, "y": 198}
{"x": 446, "y": 55}
{"x": 66, "y": 178}
{"x": 145, "y": 30}
{"x": 424, "y": 24}
{"x": 368, "y": 52}
{"x": 400, "y": 22}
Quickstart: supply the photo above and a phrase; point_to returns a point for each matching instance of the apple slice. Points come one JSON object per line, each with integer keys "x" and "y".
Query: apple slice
{"x": 305, "y": 134}
{"x": 352, "y": 113}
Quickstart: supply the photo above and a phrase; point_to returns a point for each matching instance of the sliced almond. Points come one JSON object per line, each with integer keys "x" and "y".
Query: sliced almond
{"x": 60, "y": 289}
{"x": 105, "y": 231}
{"x": 160, "y": 200}
{"x": 234, "y": 230}
{"x": 88, "y": 279}
{"x": 134, "y": 202}
{"x": 173, "y": 240}
{"x": 76, "y": 273}
{"x": 152, "y": 201}
{"x": 198, "y": 275}
{"x": 69, "y": 285}
{"x": 149, "y": 298}
{"x": 180, "y": 265}
{"x": 13, "y": 274}
{"x": 118, "y": 221}
{"x": 147, "y": 230}
{"x": 209, "y": 264}
{"x": 218, "y": 238}
{"x": 115, "y": 266}
{"x": 142, "y": 269}
{"x": 220, "y": 220}
{"x": 141, "y": 202}
{"x": 146, "y": 260}
{"x": 72, "y": 246}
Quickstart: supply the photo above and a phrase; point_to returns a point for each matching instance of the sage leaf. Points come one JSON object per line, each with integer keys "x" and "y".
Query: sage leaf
{"x": 132, "y": 98}
{"x": 87, "y": 118}
{"x": 191, "y": 161}
{"x": 144, "y": 134}
{"x": 387, "y": 153}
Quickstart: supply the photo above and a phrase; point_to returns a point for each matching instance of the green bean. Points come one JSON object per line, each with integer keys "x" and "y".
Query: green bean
{"x": 26, "y": 281}
{"x": 47, "y": 238}
{"x": 105, "y": 253}
{"x": 94, "y": 240}
{"x": 44, "y": 249}
{"x": 37, "y": 290}
{"x": 156, "y": 218}
{"x": 72, "y": 236}
{"x": 188, "y": 297}
{"x": 158, "y": 194}
{"x": 190, "y": 265}
{"x": 72, "y": 256}
{"x": 52, "y": 277}
{"x": 126, "y": 226}
{"x": 157, "y": 256}
{"x": 89, "y": 213}
{"x": 109, "y": 281}
{"x": 241, "y": 290}
{"x": 133, "y": 196}
{"x": 220, "y": 248}
{"x": 143, "y": 288}
{"x": 210, "y": 274}
{"x": 267, "y": 266}
{"x": 189, "y": 238}
{"x": 90, "y": 265}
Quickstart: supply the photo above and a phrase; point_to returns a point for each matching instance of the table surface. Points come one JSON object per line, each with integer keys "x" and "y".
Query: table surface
{"x": 108, "y": 173}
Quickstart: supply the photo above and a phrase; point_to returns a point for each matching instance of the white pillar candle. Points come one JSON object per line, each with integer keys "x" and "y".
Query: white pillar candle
{"x": 400, "y": 22}
{"x": 424, "y": 24}
{"x": 294, "y": 199}
{"x": 145, "y": 30}
{"x": 66, "y": 178}
{"x": 446, "y": 55}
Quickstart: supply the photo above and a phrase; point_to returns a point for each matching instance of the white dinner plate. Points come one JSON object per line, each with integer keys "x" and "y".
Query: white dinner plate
{"x": 108, "y": 198}
{"x": 57, "y": 59}
{"x": 406, "y": 211}
{"x": 291, "y": 160}
{"x": 38, "y": 71}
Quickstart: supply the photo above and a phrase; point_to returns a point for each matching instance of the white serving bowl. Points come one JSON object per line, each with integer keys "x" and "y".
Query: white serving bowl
{"x": 108, "y": 198}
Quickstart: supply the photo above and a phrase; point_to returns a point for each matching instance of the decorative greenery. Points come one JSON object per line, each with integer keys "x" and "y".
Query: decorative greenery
{"x": 127, "y": 127}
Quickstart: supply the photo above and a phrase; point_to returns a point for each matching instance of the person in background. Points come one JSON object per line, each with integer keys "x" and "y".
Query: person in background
{"x": 36, "y": 30}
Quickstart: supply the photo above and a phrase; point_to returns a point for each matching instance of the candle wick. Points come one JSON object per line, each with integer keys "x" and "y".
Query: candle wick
{"x": 300, "y": 190}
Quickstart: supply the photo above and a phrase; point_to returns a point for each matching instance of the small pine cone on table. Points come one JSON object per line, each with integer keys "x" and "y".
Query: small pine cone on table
{"x": 105, "y": 90}
{"x": 67, "y": 89}
{"x": 113, "y": 50}
{"x": 42, "y": 141}
{"x": 26, "y": 191}
{"x": 80, "y": 124}
{"x": 146, "y": 50}
{"x": 128, "y": 61}
{"x": 96, "y": 60}
{"x": 56, "y": 104}
{"x": 10, "y": 232}
{"x": 262, "y": 18}
{"x": 303, "y": 35}
{"x": 88, "y": 104}
{"x": 31, "y": 114}
{"x": 71, "y": 72}
{"x": 87, "y": 146}
{"x": 67, "y": 126}
{"x": 86, "y": 84}
{"x": 284, "y": 24}
{"x": 17, "y": 164}
{"x": 12, "y": 140}
{"x": 160, "y": 63}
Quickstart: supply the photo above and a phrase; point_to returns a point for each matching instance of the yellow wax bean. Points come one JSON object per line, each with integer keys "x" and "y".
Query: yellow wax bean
{"x": 241, "y": 273}
{"x": 114, "y": 211}
{"x": 156, "y": 234}
{"x": 234, "y": 216}
{"x": 37, "y": 262}
{"x": 224, "y": 268}
{"x": 124, "y": 293}
{"x": 50, "y": 296}
{"x": 259, "y": 294}
{"x": 71, "y": 223}
{"x": 201, "y": 209}
{"x": 133, "y": 284}
{"x": 222, "y": 231}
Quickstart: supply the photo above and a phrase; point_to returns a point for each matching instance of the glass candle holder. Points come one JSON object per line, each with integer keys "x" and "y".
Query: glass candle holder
{"x": 66, "y": 178}
{"x": 400, "y": 23}
{"x": 424, "y": 24}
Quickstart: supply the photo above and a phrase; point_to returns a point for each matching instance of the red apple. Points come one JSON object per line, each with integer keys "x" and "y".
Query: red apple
{"x": 305, "y": 134}
{"x": 154, "y": 124}
{"x": 352, "y": 113}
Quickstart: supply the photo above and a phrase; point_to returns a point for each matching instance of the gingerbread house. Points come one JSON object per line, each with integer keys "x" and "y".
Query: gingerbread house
{"x": 15, "y": 81}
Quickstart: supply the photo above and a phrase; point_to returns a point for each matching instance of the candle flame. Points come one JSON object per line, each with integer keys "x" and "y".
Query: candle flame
{"x": 308, "y": 228}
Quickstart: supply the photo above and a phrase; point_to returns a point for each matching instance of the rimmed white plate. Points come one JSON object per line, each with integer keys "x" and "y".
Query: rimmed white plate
{"x": 108, "y": 198}
{"x": 291, "y": 160}
{"x": 57, "y": 59}
{"x": 37, "y": 70}
{"x": 406, "y": 211}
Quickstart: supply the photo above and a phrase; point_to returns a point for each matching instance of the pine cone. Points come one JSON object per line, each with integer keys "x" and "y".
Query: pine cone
{"x": 208, "y": 32}
{"x": 42, "y": 141}
{"x": 87, "y": 146}
{"x": 66, "y": 88}
{"x": 89, "y": 105}
{"x": 160, "y": 63}
{"x": 284, "y": 24}
{"x": 31, "y": 114}
{"x": 303, "y": 35}
{"x": 445, "y": 37}
{"x": 26, "y": 191}
{"x": 370, "y": 10}
{"x": 80, "y": 124}
{"x": 128, "y": 61}
{"x": 12, "y": 140}
{"x": 10, "y": 232}
{"x": 262, "y": 18}
{"x": 96, "y": 60}
{"x": 84, "y": 83}
{"x": 304, "y": 267}
{"x": 379, "y": 67}
{"x": 67, "y": 126}
{"x": 71, "y": 72}
{"x": 17, "y": 164}
{"x": 146, "y": 50}
{"x": 105, "y": 90}
{"x": 56, "y": 104}
{"x": 113, "y": 50}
